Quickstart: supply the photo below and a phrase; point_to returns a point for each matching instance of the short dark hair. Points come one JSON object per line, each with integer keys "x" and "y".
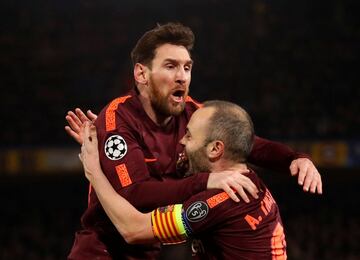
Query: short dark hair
{"x": 232, "y": 125}
{"x": 173, "y": 33}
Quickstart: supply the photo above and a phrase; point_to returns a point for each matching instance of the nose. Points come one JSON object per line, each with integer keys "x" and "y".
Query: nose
{"x": 182, "y": 140}
{"x": 181, "y": 76}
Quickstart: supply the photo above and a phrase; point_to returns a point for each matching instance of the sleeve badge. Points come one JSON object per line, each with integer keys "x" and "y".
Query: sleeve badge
{"x": 197, "y": 211}
{"x": 115, "y": 147}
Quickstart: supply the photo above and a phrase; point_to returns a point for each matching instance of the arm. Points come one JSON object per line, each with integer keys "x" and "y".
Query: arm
{"x": 175, "y": 191}
{"x": 273, "y": 155}
{"x": 134, "y": 226}
{"x": 142, "y": 182}
{"x": 131, "y": 178}
{"x": 132, "y": 174}
{"x": 279, "y": 157}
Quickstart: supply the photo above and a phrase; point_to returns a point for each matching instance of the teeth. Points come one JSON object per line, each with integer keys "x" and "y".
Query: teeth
{"x": 178, "y": 95}
{"x": 178, "y": 99}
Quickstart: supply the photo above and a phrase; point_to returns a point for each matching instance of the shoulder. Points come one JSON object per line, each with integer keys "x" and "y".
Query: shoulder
{"x": 216, "y": 198}
{"x": 205, "y": 209}
{"x": 209, "y": 197}
{"x": 254, "y": 178}
{"x": 192, "y": 102}
{"x": 191, "y": 105}
{"x": 116, "y": 107}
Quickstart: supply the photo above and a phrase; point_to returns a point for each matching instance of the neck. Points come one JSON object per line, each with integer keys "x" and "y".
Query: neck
{"x": 223, "y": 165}
{"x": 158, "y": 119}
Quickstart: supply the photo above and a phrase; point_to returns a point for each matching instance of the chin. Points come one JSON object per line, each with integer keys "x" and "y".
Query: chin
{"x": 177, "y": 110}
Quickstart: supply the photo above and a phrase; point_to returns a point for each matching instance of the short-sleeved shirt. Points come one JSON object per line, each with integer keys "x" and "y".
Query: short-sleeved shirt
{"x": 226, "y": 229}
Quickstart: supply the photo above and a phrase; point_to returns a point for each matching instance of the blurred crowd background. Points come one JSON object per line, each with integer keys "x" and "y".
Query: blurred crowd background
{"x": 294, "y": 65}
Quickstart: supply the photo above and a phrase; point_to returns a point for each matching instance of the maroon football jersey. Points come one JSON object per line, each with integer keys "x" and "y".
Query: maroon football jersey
{"x": 230, "y": 230}
{"x": 139, "y": 159}
{"x": 223, "y": 228}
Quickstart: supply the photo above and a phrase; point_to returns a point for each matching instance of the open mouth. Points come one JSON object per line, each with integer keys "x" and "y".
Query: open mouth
{"x": 178, "y": 95}
{"x": 182, "y": 164}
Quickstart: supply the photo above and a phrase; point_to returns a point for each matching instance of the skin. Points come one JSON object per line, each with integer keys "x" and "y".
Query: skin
{"x": 169, "y": 72}
{"x": 193, "y": 142}
{"x": 207, "y": 157}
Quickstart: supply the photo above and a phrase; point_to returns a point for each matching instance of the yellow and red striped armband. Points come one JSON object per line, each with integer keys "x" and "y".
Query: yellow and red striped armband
{"x": 167, "y": 224}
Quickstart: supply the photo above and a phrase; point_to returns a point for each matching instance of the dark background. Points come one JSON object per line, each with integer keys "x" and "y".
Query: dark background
{"x": 294, "y": 65}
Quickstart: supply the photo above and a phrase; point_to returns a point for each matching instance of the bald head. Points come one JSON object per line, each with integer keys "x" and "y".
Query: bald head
{"x": 232, "y": 125}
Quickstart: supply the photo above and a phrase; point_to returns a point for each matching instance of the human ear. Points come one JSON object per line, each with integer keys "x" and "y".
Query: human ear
{"x": 215, "y": 149}
{"x": 140, "y": 74}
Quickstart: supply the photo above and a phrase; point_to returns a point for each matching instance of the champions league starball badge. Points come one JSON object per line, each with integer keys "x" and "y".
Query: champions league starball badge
{"x": 115, "y": 147}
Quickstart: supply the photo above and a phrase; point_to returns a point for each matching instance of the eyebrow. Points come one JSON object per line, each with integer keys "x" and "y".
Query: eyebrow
{"x": 188, "y": 62}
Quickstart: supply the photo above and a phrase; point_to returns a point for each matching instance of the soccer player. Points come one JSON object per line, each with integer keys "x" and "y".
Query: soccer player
{"x": 219, "y": 137}
{"x": 139, "y": 148}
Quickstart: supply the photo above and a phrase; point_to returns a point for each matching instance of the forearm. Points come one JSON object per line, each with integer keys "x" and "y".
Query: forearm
{"x": 134, "y": 226}
{"x": 273, "y": 155}
{"x": 150, "y": 194}
{"x": 132, "y": 179}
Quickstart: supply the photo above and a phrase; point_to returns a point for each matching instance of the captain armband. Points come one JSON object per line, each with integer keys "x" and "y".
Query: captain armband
{"x": 167, "y": 224}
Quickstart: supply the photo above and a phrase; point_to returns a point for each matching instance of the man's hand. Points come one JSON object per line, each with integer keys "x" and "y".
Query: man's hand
{"x": 233, "y": 181}
{"x": 309, "y": 176}
{"x": 76, "y": 123}
{"x": 89, "y": 151}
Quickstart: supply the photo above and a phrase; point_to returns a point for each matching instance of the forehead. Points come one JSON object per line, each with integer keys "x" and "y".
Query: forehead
{"x": 170, "y": 51}
{"x": 199, "y": 120}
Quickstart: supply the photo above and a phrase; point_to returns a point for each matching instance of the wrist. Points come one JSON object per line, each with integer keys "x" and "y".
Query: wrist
{"x": 95, "y": 175}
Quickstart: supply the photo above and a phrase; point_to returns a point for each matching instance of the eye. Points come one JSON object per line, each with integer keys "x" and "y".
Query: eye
{"x": 187, "y": 135}
{"x": 169, "y": 66}
{"x": 187, "y": 68}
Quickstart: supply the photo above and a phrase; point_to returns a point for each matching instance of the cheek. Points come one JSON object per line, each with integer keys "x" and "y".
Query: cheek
{"x": 163, "y": 76}
{"x": 162, "y": 83}
{"x": 191, "y": 146}
{"x": 188, "y": 147}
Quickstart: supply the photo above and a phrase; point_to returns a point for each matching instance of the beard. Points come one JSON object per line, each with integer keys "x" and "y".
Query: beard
{"x": 198, "y": 161}
{"x": 162, "y": 104}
